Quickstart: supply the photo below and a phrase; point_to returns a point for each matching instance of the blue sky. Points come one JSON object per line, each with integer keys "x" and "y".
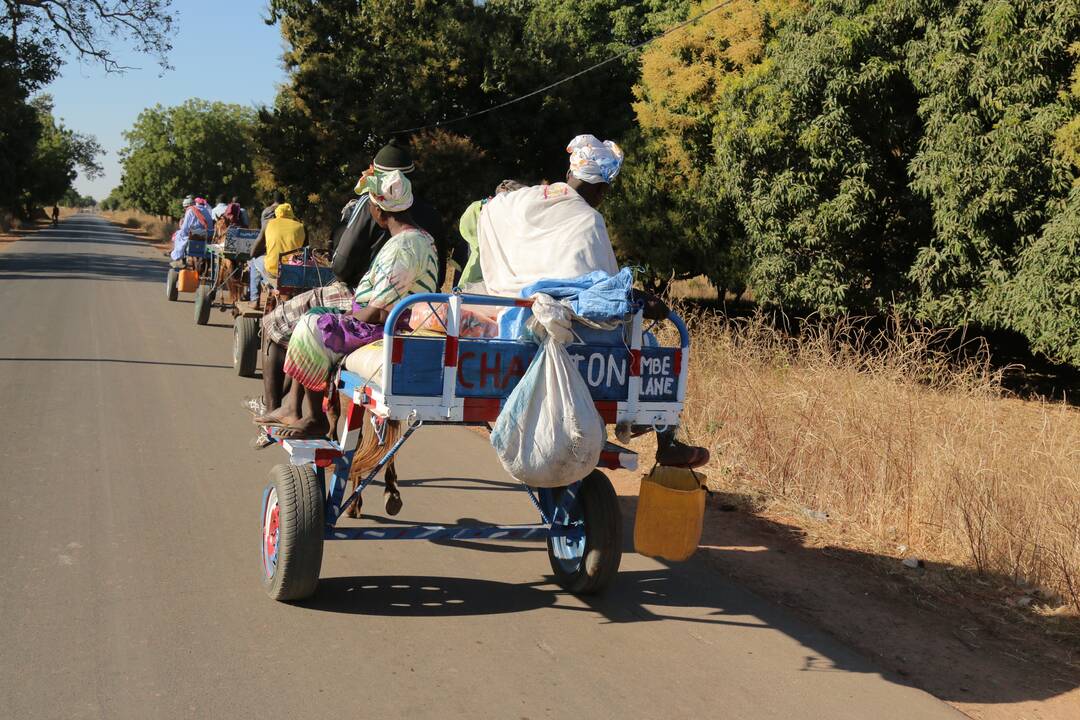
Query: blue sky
{"x": 221, "y": 51}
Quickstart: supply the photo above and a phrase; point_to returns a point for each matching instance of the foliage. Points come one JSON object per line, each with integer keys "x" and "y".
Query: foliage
{"x": 85, "y": 28}
{"x": 660, "y": 215}
{"x": 358, "y": 73}
{"x": 199, "y": 147}
{"x": 58, "y": 154}
{"x": 73, "y": 199}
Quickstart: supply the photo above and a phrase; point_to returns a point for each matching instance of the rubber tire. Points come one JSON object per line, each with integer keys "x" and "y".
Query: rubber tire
{"x": 603, "y": 538}
{"x": 245, "y": 345}
{"x": 170, "y": 285}
{"x": 204, "y": 302}
{"x": 300, "y": 533}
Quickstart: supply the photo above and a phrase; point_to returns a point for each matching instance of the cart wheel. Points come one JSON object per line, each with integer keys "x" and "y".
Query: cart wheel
{"x": 245, "y": 345}
{"x": 204, "y": 300}
{"x": 292, "y": 532}
{"x": 170, "y": 285}
{"x": 588, "y": 565}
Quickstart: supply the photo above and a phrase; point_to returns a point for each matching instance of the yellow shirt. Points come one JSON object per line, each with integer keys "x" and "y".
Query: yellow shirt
{"x": 282, "y": 235}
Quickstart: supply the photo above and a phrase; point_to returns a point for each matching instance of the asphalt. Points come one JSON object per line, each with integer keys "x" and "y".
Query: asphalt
{"x": 129, "y": 531}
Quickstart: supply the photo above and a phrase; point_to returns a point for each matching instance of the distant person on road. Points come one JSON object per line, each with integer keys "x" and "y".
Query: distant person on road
{"x": 196, "y": 222}
{"x": 55, "y": 215}
{"x": 283, "y": 234}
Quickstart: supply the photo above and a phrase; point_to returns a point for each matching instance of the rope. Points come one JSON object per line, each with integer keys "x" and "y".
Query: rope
{"x": 568, "y": 78}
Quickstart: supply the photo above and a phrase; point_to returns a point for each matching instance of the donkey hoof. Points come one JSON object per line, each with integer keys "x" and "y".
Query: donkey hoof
{"x": 392, "y": 502}
{"x": 353, "y": 510}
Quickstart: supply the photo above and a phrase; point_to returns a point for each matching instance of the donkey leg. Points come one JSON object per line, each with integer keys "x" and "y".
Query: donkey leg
{"x": 391, "y": 496}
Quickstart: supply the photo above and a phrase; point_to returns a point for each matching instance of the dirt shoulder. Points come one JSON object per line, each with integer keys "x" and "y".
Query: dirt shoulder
{"x": 946, "y": 632}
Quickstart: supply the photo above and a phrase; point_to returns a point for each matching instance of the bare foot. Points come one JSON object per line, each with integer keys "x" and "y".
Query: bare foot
{"x": 307, "y": 428}
{"x": 281, "y": 416}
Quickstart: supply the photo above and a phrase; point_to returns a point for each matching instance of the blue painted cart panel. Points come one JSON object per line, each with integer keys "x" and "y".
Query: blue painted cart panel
{"x": 492, "y": 369}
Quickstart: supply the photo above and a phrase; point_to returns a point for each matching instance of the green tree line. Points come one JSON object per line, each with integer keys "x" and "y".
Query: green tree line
{"x": 835, "y": 156}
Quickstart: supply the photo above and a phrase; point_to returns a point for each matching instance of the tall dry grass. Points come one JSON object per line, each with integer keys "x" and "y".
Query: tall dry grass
{"x": 156, "y": 228}
{"x": 904, "y": 448}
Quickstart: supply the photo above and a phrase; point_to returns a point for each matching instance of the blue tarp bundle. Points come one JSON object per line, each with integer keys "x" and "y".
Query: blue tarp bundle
{"x": 597, "y": 296}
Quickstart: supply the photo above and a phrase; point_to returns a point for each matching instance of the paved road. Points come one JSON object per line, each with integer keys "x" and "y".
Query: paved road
{"x": 129, "y": 525}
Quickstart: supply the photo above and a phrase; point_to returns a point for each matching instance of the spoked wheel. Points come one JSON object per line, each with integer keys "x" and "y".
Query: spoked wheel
{"x": 587, "y": 565}
{"x": 245, "y": 345}
{"x": 292, "y": 532}
{"x": 170, "y": 285}
{"x": 204, "y": 301}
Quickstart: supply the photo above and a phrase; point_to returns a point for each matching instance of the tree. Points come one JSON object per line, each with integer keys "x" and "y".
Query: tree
{"x": 58, "y": 155}
{"x": 661, "y": 216}
{"x": 199, "y": 147}
{"x": 360, "y": 72}
{"x": 994, "y": 83}
{"x": 86, "y": 27}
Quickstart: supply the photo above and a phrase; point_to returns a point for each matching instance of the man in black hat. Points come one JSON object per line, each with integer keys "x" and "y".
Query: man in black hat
{"x": 355, "y": 242}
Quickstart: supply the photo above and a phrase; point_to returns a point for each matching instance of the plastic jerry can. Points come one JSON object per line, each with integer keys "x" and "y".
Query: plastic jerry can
{"x": 187, "y": 281}
{"x": 670, "y": 513}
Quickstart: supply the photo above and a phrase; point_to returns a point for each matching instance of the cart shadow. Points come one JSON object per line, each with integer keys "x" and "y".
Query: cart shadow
{"x": 426, "y": 596}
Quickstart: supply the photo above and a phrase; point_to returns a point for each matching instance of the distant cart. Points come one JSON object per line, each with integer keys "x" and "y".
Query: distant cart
{"x": 195, "y": 260}
{"x": 452, "y": 380}
{"x": 292, "y": 280}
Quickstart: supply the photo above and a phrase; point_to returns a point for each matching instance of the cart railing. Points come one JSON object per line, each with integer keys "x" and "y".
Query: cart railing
{"x": 463, "y": 380}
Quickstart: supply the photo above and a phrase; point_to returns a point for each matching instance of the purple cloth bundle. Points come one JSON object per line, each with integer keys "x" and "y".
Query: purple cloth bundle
{"x": 342, "y": 333}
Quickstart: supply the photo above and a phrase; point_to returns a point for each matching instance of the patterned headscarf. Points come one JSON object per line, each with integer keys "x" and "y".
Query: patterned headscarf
{"x": 391, "y": 191}
{"x": 594, "y": 161}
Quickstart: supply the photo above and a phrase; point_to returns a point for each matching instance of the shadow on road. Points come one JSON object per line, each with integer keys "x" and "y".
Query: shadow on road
{"x": 926, "y": 645}
{"x": 82, "y": 266}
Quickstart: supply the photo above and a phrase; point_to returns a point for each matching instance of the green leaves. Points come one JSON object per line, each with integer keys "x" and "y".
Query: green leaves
{"x": 199, "y": 147}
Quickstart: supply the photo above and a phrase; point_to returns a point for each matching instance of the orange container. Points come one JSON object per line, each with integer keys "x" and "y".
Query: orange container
{"x": 670, "y": 513}
{"x": 187, "y": 281}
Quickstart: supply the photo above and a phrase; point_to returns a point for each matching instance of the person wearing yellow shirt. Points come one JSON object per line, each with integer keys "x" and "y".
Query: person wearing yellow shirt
{"x": 283, "y": 234}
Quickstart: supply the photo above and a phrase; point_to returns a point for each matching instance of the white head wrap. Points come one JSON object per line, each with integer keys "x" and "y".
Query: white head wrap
{"x": 391, "y": 191}
{"x": 594, "y": 161}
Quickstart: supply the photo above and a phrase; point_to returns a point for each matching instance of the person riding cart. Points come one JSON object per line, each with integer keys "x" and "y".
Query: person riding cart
{"x": 355, "y": 243}
{"x": 196, "y": 223}
{"x": 283, "y": 234}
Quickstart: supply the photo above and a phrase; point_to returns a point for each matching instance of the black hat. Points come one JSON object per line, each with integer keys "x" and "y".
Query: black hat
{"x": 394, "y": 156}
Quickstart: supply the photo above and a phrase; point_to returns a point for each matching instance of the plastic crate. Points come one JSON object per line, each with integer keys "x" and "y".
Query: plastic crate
{"x": 303, "y": 276}
{"x": 196, "y": 248}
{"x": 239, "y": 241}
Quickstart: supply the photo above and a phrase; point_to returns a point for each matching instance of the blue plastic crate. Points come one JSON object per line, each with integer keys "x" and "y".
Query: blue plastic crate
{"x": 303, "y": 276}
{"x": 196, "y": 248}
{"x": 239, "y": 241}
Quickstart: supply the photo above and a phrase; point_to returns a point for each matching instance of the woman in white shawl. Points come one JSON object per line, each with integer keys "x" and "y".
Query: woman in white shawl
{"x": 554, "y": 231}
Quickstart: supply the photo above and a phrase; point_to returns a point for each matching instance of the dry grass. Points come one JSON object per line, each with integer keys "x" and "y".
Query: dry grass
{"x": 150, "y": 225}
{"x": 900, "y": 450}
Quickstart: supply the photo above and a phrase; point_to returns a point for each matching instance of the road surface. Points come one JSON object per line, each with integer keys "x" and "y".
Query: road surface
{"x": 130, "y": 527}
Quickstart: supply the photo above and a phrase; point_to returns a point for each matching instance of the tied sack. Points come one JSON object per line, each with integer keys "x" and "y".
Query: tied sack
{"x": 549, "y": 433}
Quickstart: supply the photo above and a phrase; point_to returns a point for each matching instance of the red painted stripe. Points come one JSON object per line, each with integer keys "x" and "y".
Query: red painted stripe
{"x": 324, "y": 457}
{"x": 480, "y": 409}
{"x": 609, "y": 461}
{"x": 635, "y": 363}
{"x": 523, "y": 303}
{"x": 355, "y": 413}
{"x": 369, "y": 400}
{"x": 678, "y": 361}
{"x": 397, "y": 348}
{"x": 608, "y": 409}
{"x": 450, "y": 355}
